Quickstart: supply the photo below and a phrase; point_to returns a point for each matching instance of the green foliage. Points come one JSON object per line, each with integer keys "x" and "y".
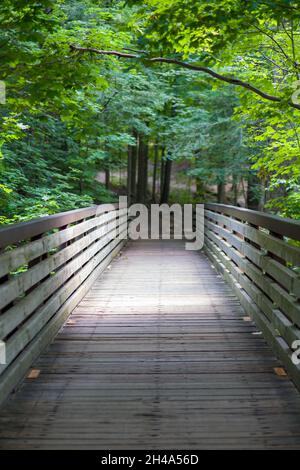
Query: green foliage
{"x": 51, "y": 125}
{"x": 257, "y": 42}
{"x": 69, "y": 115}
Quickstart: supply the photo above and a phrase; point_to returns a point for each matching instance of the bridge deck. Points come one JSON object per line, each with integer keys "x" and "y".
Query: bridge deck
{"x": 158, "y": 355}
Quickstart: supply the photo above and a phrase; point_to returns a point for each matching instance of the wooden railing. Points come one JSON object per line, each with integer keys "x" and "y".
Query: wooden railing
{"x": 255, "y": 254}
{"x": 46, "y": 267}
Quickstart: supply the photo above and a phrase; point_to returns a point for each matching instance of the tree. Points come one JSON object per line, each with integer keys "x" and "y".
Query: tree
{"x": 252, "y": 45}
{"x": 148, "y": 85}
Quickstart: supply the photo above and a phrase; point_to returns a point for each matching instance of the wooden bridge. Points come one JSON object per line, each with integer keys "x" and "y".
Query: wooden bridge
{"x": 148, "y": 345}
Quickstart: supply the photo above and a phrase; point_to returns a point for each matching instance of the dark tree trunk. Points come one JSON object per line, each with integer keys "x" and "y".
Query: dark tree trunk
{"x": 133, "y": 168}
{"x": 253, "y": 192}
{"x": 129, "y": 174}
{"x": 145, "y": 175}
{"x": 80, "y": 185}
{"x": 235, "y": 194}
{"x": 162, "y": 174}
{"x": 142, "y": 185}
{"x": 221, "y": 193}
{"x": 234, "y": 190}
{"x": 166, "y": 183}
{"x": 200, "y": 189}
{"x": 107, "y": 178}
{"x": 154, "y": 172}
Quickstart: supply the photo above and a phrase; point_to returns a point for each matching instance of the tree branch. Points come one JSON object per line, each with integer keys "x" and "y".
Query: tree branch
{"x": 198, "y": 68}
{"x": 269, "y": 35}
{"x": 275, "y": 63}
{"x": 97, "y": 51}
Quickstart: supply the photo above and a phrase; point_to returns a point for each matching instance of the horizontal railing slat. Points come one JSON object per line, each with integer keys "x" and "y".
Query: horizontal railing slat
{"x": 25, "y": 230}
{"x": 285, "y": 276}
{"x": 23, "y": 282}
{"x": 23, "y": 309}
{"x": 289, "y": 253}
{"x": 13, "y": 374}
{"x": 284, "y": 301}
{"x": 285, "y": 227}
{"x": 30, "y": 329}
{"x": 261, "y": 265}
{"x": 11, "y": 260}
{"x": 56, "y": 270}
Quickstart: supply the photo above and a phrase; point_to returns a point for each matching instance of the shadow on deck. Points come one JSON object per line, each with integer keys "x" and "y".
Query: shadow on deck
{"x": 158, "y": 354}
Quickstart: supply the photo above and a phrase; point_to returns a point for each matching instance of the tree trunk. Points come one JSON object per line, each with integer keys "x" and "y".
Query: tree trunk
{"x": 253, "y": 192}
{"x": 234, "y": 190}
{"x": 80, "y": 185}
{"x": 166, "y": 183}
{"x": 221, "y": 193}
{"x": 264, "y": 194}
{"x": 129, "y": 173}
{"x": 142, "y": 185}
{"x": 133, "y": 167}
{"x": 107, "y": 178}
{"x": 154, "y": 173}
{"x": 200, "y": 189}
{"x": 162, "y": 173}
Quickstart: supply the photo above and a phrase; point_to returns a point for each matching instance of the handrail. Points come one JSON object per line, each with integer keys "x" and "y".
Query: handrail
{"x": 45, "y": 273}
{"x": 282, "y": 226}
{"x": 262, "y": 267}
{"x": 24, "y": 230}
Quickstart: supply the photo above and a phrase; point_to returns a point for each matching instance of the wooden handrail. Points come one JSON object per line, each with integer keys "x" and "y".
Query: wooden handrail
{"x": 45, "y": 273}
{"x": 262, "y": 267}
{"x": 286, "y": 227}
{"x": 25, "y": 230}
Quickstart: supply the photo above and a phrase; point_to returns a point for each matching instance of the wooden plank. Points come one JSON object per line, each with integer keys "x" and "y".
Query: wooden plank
{"x": 27, "y": 230}
{"x": 18, "y": 341}
{"x": 14, "y": 374}
{"x": 287, "y": 303}
{"x": 280, "y": 322}
{"x": 279, "y": 225}
{"x": 278, "y": 344}
{"x": 281, "y": 248}
{"x": 17, "y": 286}
{"x": 14, "y": 258}
{"x": 24, "y": 308}
{"x": 284, "y": 275}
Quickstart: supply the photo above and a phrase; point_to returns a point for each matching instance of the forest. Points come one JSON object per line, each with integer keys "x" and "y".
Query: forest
{"x": 163, "y": 100}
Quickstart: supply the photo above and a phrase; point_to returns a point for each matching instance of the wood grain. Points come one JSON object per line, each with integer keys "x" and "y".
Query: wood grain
{"x": 35, "y": 303}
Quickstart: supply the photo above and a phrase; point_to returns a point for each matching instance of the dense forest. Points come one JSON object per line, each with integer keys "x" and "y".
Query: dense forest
{"x": 163, "y": 100}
